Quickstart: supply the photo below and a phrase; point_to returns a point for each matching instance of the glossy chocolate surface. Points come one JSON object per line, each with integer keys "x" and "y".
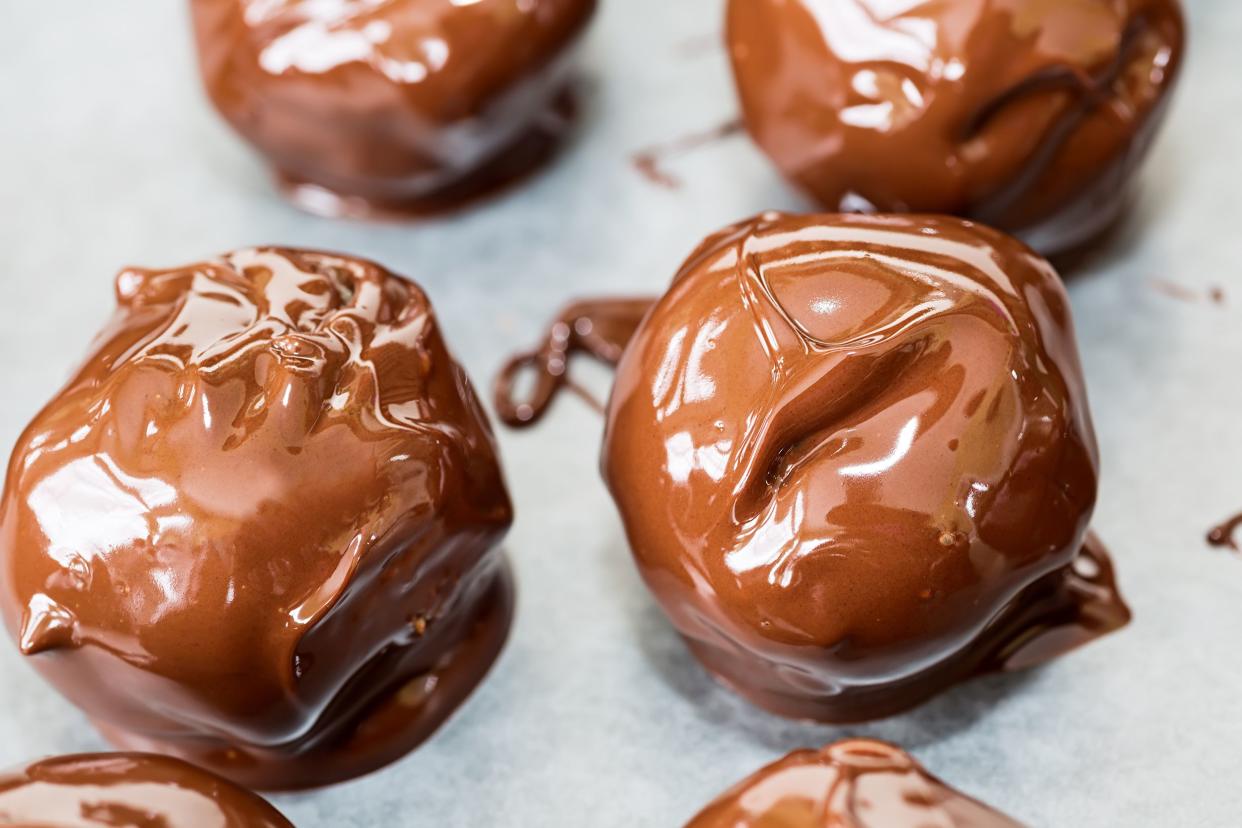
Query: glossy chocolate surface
{"x": 392, "y": 106}
{"x": 137, "y": 790}
{"x": 1029, "y": 115}
{"x": 258, "y": 529}
{"x": 855, "y": 464}
{"x": 856, "y": 783}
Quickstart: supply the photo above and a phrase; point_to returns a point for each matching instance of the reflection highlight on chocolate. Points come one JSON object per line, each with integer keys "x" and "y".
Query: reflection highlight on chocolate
{"x": 105, "y": 790}
{"x": 259, "y": 528}
{"x": 1033, "y": 117}
{"x": 855, "y": 463}
{"x": 859, "y": 783}
{"x": 394, "y": 108}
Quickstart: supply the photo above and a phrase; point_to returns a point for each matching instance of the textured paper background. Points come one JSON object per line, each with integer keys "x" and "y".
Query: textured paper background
{"x": 595, "y": 715}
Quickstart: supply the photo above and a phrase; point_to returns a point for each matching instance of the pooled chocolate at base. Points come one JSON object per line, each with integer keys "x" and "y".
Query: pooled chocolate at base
{"x": 107, "y": 790}
{"x": 854, "y": 783}
{"x": 392, "y": 109}
{"x": 260, "y": 528}
{"x": 855, "y": 465}
{"x": 372, "y": 734}
{"x": 599, "y": 328}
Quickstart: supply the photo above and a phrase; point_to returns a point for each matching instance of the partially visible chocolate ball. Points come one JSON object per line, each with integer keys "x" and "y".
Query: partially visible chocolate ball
{"x": 855, "y": 462}
{"x": 393, "y": 106}
{"x": 259, "y": 528}
{"x": 1029, "y": 115}
{"x": 107, "y": 790}
{"x": 858, "y": 783}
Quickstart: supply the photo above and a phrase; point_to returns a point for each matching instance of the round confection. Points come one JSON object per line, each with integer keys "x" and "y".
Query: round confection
{"x": 392, "y": 106}
{"x": 856, "y": 782}
{"x": 1029, "y": 115}
{"x": 855, "y": 463}
{"x": 259, "y": 528}
{"x": 104, "y": 790}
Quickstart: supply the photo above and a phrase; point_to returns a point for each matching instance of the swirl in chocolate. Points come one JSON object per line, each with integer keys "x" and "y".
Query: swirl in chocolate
{"x": 392, "y": 106}
{"x": 855, "y": 464}
{"x": 97, "y": 790}
{"x": 1029, "y": 115}
{"x": 259, "y": 528}
{"x": 857, "y": 783}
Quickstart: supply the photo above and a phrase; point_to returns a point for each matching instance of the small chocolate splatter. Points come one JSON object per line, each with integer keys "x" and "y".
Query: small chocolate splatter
{"x": 1223, "y": 536}
{"x": 1214, "y": 294}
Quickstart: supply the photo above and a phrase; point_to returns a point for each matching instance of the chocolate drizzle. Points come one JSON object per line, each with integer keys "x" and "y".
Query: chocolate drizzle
{"x": 650, "y": 161}
{"x": 859, "y": 783}
{"x": 1091, "y": 91}
{"x": 599, "y": 328}
{"x": 1033, "y": 121}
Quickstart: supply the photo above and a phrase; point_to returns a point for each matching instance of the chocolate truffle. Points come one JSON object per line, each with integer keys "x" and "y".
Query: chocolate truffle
{"x": 99, "y": 790}
{"x": 855, "y": 464}
{"x": 858, "y": 783}
{"x": 392, "y": 106}
{"x": 1029, "y": 115}
{"x": 258, "y": 529}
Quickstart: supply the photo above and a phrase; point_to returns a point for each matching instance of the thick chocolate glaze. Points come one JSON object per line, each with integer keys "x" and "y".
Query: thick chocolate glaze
{"x": 855, "y": 783}
{"x": 396, "y": 105}
{"x": 259, "y": 528}
{"x": 855, "y": 464}
{"x": 94, "y": 790}
{"x": 1029, "y": 115}
{"x": 599, "y": 328}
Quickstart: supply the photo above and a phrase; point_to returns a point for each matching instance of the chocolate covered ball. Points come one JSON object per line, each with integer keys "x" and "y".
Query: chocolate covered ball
{"x": 1029, "y": 115}
{"x": 259, "y": 528}
{"x": 858, "y": 783}
{"x": 855, "y": 463}
{"x": 393, "y": 106}
{"x": 106, "y": 790}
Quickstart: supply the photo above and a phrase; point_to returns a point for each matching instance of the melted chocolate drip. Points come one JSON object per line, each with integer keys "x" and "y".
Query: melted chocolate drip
{"x": 599, "y": 328}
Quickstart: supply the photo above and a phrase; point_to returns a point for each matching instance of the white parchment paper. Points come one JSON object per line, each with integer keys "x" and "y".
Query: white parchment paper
{"x": 595, "y": 715}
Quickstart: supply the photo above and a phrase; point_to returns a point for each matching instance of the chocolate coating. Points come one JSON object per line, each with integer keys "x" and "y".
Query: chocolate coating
{"x": 259, "y": 528}
{"x": 392, "y": 106}
{"x": 1029, "y": 115}
{"x": 855, "y": 464}
{"x": 94, "y": 790}
{"x": 856, "y": 783}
